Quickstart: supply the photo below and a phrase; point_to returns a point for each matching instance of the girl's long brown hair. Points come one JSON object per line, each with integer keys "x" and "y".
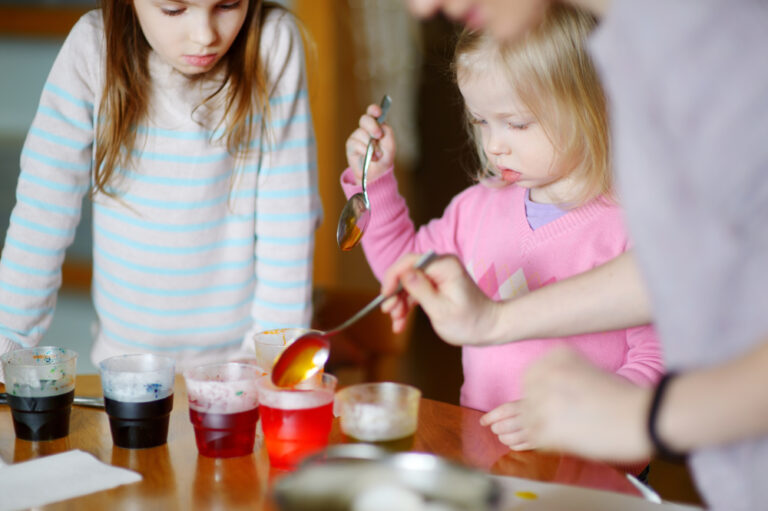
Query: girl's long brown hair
{"x": 125, "y": 98}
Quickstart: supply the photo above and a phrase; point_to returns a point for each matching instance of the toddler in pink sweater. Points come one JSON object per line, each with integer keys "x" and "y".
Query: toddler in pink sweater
{"x": 542, "y": 209}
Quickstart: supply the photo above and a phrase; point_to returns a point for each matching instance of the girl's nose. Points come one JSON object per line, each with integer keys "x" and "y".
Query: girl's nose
{"x": 203, "y": 32}
{"x": 494, "y": 143}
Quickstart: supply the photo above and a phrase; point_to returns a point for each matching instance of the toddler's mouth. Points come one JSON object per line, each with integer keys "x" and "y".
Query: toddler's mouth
{"x": 509, "y": 175}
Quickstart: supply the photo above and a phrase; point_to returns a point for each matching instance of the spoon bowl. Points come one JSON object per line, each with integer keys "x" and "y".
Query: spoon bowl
{"x": 357, "y": 211}
{"x": 309, "y": 352}
{"x": 354, "y": 219}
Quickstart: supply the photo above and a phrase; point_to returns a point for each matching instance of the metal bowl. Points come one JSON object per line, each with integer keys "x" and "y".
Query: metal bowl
{"x": 341, "y": 475}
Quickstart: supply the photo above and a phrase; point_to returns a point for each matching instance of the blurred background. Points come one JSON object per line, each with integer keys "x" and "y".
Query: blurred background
{"x": 357, "y": 50}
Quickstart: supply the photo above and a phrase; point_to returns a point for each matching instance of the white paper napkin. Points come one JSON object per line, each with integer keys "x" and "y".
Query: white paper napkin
{"x": 58, "y": 477}
{"x": 524, "y": 494}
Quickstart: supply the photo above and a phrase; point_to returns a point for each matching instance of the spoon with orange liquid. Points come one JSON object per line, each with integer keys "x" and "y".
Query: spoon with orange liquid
{"x": 357, "y": 211}
{"x": 303, "y": 358}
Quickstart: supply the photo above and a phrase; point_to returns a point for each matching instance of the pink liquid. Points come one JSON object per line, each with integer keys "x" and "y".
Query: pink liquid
{"x": 225, "y": 435}
{"x": 291, "y": 435}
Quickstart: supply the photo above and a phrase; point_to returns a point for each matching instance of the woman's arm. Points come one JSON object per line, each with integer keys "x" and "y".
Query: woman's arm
{"x": 609, "y": 297}
{"x": 572, "y": 406}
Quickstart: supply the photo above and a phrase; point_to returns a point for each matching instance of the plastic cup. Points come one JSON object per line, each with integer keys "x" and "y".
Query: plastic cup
{"x": 138, "y": 398}
{"x": 224, "y": 408}
{"x": 297, "y": 421}
{"x": 270, "y": 344}
{"x": 385, "y": 413}
{"x": 40, "y": 383}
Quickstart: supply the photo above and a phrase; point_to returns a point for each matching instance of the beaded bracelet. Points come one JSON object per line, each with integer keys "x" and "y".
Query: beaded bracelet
{"x": 661, "y": 448}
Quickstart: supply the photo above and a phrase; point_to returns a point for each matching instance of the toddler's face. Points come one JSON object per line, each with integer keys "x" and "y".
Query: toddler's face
{"x": 191, "y": 35}
{"x": 514, "y": 142}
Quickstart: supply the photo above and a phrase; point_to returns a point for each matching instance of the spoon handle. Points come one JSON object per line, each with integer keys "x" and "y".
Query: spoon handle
{"x": 423, "y": 261}
{"x": 386, "y": 101}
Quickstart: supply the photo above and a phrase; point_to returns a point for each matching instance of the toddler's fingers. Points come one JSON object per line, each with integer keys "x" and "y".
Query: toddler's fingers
{"x": 506, "y": 426}
{"x": 516, "y": 441}
{"x": 371, "y": 127}
{"x": 373, "y": 110}
{"x": 499, "y": 413}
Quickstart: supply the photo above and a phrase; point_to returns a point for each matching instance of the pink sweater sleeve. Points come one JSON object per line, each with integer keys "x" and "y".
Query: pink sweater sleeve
{"x": 644, "y": 363}
{"x": 391, "y": 233}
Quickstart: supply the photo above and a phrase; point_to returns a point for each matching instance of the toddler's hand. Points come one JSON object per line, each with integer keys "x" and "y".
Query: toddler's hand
{"x": 383, "y": 156}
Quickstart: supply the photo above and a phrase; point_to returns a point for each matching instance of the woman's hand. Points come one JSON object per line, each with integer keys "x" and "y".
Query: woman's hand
{"x": 459, "y": 311}
{"x": 384, "y": 154}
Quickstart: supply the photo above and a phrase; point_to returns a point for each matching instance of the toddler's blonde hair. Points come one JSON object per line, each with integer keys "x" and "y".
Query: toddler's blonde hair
{"x": 550, "y": 71}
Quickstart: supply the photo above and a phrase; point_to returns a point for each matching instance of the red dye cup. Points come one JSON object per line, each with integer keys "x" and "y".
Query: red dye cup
{"x": 223, "y": 408}
{"x": 296, "y": 422}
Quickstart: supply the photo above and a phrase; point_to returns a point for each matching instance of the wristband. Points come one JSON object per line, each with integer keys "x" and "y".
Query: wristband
{"x": 659, "y": 446}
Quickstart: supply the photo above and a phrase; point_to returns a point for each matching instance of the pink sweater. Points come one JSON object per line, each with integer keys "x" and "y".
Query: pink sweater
{"x": 488, "y": 230}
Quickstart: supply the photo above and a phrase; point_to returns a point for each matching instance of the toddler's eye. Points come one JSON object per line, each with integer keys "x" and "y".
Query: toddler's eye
{"x": 519, "y": 126}
{"x": 476, "y": 122}
{"x": 172, "y": 12}
{"x": 231, "y": 5}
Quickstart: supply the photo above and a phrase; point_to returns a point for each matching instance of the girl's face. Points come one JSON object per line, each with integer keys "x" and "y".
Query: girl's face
{"x": 191, "y": 35}
{"x": 514, "y": 142}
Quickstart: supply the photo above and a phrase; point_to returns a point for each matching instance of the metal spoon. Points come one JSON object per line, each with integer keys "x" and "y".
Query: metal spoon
{"x": 357, "y": 211}
{"x": 309, "y": 352}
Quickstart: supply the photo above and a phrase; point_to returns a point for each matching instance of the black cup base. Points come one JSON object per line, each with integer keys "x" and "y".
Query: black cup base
{"x": 139, "y": 425}
{"x": 41, "y": 418}
{"x": 139, "y": 434}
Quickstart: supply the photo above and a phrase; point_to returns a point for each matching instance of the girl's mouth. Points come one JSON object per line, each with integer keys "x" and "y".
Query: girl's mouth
{"x": 510, "y": 176}
{"x": 200, "y": 60}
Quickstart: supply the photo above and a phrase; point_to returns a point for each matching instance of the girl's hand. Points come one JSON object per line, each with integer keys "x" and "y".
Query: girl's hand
{"x": 504, "y": 421}
{"x": 570, "y": 405}
{"x": 384, "y": 154}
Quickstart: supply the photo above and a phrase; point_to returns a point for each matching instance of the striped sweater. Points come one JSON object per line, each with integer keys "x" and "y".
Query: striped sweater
{"x": 198, "y": 249}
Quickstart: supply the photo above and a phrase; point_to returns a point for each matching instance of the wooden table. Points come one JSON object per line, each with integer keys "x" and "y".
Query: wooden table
{"x": 176, "y": 477}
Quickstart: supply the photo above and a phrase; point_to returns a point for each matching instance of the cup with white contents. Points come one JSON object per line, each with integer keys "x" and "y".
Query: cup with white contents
{"x": 385, "y": 414}
{"x": 138, "y": 398}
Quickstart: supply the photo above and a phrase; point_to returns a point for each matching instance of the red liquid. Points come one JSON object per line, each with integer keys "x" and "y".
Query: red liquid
{"x": 225, "y": 435}
{"x": 291, "y": 435}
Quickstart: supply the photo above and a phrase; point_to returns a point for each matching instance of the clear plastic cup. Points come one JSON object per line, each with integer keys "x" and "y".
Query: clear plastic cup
{"x": 224, "y": 408}
{"x": 40, "y": 383}
{"x": 138, "y": 398}
{"x": 296, "y": 421}
{"x": 270, "y": 344}
{"x": 384, "y": 413}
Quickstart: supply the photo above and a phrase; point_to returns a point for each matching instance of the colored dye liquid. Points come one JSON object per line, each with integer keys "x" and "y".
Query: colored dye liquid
{"x": 41, "y": 418}
{"x": 225, "y": 435}
{"x": 139, "y": 425}
{"x": 354, "y": 235}
{"x": 395, "y": 445}
{"x": 291, "y": 435}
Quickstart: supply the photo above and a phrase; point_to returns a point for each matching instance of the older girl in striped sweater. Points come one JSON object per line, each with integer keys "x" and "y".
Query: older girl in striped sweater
{"x": 189, "y": 124}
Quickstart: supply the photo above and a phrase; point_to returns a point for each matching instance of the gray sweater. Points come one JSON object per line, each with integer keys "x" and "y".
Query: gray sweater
{"x": 198, "y": 249}
{"x": 688, "y": 85}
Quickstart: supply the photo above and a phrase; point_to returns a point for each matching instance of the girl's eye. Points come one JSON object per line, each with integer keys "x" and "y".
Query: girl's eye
{"x": 230, "y": 5}
{"x": 519, "y": 126}
{"x": 172, "y": 12}
{"x": 476, "y": 122}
